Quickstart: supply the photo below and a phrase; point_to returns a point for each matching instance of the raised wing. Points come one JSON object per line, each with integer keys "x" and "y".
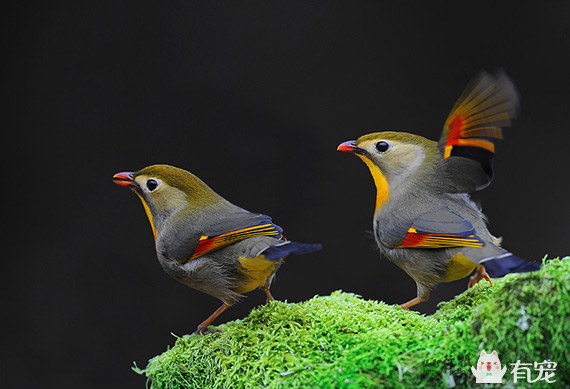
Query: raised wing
{"x": 467, "y": 143}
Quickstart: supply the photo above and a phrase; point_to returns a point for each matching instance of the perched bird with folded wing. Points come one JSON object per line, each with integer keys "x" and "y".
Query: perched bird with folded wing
{"x": 424, "y": 220}
{"x": 206, "y": 242}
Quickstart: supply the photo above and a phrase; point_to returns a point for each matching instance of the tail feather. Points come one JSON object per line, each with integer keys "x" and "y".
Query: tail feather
{"x": 508, "y": 263}
{"x": 284, "y": 249}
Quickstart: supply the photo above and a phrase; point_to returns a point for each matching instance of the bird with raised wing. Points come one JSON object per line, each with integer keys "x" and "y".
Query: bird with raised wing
{"x": 424, "y": 220}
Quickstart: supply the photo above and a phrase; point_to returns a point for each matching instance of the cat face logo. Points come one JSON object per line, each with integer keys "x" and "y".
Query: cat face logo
{"x": 488, "y": 369}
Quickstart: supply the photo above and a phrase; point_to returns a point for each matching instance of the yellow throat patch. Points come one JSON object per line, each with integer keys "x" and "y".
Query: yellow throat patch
{"x": 148, "y": 214}
{"x": 382, "y": 189}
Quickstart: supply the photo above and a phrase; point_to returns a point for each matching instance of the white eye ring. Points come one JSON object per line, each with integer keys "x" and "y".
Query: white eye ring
{"x": 383, "y": 146}
{"x": 151, "y": 185}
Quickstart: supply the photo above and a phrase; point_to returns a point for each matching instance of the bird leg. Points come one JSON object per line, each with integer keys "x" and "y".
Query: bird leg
{"x": 423, "y": 295}
{"x": 478, "y": 276}
{"x": 203, "y": 327}
{"x": 411, "y": 303}
{"x": 268, "y": 293}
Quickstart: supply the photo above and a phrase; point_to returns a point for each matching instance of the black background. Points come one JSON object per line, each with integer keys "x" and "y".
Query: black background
{"x": 253, "y": 98}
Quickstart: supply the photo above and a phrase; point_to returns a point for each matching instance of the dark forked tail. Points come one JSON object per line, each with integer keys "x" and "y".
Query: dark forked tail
{"x": 508, "y": 263}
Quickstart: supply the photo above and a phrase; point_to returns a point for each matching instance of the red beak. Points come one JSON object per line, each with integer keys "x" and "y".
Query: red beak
{"x": 125, "y": 179}
{"x": 348, "y": 147}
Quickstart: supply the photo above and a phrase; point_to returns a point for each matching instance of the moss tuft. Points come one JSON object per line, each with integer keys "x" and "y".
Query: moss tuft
{"x": 343, "y": 341}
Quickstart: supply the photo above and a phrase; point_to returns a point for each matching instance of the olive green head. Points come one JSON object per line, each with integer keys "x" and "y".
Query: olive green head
{"x": 165, "y": 190}
{"x": 393, "y": 158}
{"x": 395, "y": 154}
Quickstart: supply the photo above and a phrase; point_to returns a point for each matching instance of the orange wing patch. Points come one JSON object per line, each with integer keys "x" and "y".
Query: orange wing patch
{"x": 207, "y": 244}
{"x": 415, "y": 239}
{"x": 486, "y": 105}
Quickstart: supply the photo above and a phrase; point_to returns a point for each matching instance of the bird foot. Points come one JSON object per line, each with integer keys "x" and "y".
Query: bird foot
{"x": 206, "y": 331}
{"x": 203, "y": 327}
{"x": 478, "y": 276}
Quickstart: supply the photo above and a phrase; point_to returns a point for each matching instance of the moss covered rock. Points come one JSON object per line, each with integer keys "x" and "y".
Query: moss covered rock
{"x": 341, "y": 340}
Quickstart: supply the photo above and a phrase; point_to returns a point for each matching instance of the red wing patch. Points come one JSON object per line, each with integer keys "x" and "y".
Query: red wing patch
{"x": 415, "y": 239}
{"x": 486, "y": 105}
{"x": 207, "y": 244}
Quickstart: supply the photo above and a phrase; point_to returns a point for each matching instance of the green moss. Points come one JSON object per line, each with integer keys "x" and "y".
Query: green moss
{"x": 342, "y": 341}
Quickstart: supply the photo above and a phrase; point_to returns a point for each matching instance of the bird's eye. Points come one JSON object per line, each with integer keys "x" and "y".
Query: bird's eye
{"x": 382, "y": 146}
{"x": 151, "y": 185}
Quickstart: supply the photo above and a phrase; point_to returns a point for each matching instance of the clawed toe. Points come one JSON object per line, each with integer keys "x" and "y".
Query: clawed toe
{"x": 481, "y": 274}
